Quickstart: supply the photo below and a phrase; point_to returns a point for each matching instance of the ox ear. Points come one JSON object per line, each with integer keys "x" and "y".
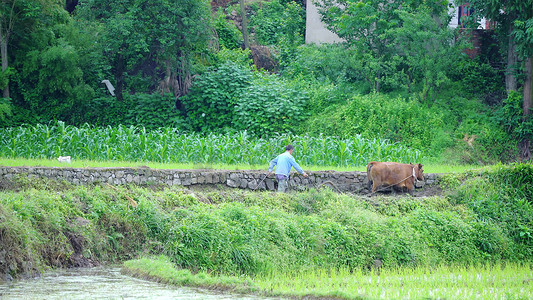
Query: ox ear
{"x": 420, "y": 166}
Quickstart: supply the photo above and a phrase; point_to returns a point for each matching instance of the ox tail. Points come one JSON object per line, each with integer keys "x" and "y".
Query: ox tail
{"x": 370, "y": 182}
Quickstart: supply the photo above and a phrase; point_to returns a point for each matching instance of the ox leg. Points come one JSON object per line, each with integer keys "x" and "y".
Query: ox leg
{"x": 375, "y": 185}
{"x": 393, "y": 190}
{"x": 411, "y": 190}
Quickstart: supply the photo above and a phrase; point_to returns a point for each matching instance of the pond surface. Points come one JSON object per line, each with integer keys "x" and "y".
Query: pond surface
{"x": 103, "y": 283}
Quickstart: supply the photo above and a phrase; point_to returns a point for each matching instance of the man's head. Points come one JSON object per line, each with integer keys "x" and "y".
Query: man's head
{"x": 289, "y": 149}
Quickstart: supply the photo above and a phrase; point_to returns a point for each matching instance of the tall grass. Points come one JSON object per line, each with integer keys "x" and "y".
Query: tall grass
{"x": 166, "y": 145}
{"x": 260, "y": 233}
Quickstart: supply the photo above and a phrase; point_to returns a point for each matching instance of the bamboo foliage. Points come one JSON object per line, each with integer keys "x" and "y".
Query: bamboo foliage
{"x": 167, "y": 145}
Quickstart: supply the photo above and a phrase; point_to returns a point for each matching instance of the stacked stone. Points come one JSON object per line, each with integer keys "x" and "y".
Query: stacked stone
{"x": 354, "y": 182}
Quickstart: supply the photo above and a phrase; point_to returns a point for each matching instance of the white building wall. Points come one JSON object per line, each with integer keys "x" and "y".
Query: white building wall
{"x": 316, "y": 31}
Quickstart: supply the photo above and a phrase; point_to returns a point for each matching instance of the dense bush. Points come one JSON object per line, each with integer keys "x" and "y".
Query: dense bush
{"x": 501, "y": 196}
{"x": 270, "y": 105}
{"x": 275, "y": 21}
{"x": 377, "y": 115}
{"x": 477, "y": 78}
{"x": 454, "y": 129}
{"x": 229, "y": 36}
{"x": 510, "y": 117}
{"x": 324, "y": 63}
{"x": 151, "y": 111}
{"x": 210, "y": 103}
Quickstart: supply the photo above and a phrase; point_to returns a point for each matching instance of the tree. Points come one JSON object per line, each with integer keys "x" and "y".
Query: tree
{"x": 57, "y": 71}
{"x": 124, "y": 39}
{"x": 372, "y": 29}
{"x": 426, "y": 49}
{"x": 363, "y": 25}
{"x": 16, "y": 17}
{"x": 514, "y": 19}
{"x": 154, "y": 40}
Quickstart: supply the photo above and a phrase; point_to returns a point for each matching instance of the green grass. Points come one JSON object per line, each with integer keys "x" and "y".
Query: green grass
{"x": 485, "y": 218}
{"x": 499, "y": 281}
{"x": 75, "y": 163}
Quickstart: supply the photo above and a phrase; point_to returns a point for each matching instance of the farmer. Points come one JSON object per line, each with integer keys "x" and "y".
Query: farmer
{"x": 284, "y": 163}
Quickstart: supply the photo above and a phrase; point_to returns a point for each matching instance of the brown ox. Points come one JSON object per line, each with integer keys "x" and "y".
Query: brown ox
{"x": 393, "y": 174}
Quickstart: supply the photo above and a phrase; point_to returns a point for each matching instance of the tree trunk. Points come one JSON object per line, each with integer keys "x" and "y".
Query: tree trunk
{"x": 183, "y": 75}
{"x": 527, "y": 86}
{"x": 244, "y": 25}
{"x": 169, "y": 84}
{"x": 510, "y": 80}
{"x": 526, "y": 151}
{"x": 119, "y": 77}
{"x": 3, "y": 53}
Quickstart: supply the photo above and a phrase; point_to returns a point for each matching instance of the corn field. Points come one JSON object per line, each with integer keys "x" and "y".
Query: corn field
{"x": 167, "y": 145}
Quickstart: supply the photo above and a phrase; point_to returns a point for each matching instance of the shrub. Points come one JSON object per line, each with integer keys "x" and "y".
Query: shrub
{"x": 400, "y": 120}
{"x": 229, "y": 36}
{"x": 324, "y": 63}
{"x": 211, "y": 100}
{"x": 501, "y": 195}
{"x": 6, "y": 111}
{"x": 275, "y": 21}
{"x": 153, "y": 111}
{"x": 107, "y": 111}
{"x": 270, "y": 105}
{"x": 477, "y": 78}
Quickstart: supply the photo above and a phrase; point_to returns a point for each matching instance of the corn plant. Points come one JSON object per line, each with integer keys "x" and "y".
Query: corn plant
{"x": 167, "y": 145}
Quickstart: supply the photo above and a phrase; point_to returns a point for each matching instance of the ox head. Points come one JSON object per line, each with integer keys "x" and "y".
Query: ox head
{"x": 418, "y": 171}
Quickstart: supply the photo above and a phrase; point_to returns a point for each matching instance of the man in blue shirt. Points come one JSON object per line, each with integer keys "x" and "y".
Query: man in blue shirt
{"x": 284, "y": 162}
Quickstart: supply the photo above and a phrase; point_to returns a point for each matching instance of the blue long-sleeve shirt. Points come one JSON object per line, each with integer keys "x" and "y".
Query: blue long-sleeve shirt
{"x": 284, "y": 163}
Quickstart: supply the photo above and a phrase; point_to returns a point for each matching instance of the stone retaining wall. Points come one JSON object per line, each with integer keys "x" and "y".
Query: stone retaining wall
{"x": 353, "y": 182}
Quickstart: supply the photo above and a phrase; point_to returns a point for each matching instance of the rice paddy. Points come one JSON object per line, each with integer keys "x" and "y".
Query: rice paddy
{"x": 499, "y": 281}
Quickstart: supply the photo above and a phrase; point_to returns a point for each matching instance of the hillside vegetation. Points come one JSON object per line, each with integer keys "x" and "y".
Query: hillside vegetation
{"x": 412, "y": 80}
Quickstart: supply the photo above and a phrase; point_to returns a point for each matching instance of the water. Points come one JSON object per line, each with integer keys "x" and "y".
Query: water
{"x": 103, "y": 283}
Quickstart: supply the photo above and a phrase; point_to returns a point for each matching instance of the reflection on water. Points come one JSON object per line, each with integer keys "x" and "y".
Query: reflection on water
{"x": 101, "y": 283}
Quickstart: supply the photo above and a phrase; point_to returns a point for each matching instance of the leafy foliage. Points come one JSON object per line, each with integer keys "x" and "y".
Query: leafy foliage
{"x": 511, "y": 118}
{"x": 275, "y": 21}
{"x": 5, "y": 111}
{"x": 229, "y": 36}
{"x": 477, "y": 77}
{"x": 503, "y": 196}
{"x": 210, "y": 104}
{"x": 154, "y": 111}
{"x": 270, "y": 105}
{"x": 52, "y": 77}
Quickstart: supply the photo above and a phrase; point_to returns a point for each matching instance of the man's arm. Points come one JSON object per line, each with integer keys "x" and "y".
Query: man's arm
{"x": 272, "y": 164}
{"x": 297, "y": 166}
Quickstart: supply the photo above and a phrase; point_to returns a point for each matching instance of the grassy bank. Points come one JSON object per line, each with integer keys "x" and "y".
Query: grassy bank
{"x": 485, "y": 218}
{"x": 500, "y": 281}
